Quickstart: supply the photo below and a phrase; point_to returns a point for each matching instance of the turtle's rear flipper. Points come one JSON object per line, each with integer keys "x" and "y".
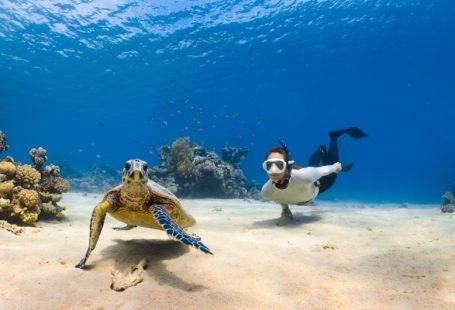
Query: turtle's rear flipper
{"x": 127, "y": 227}
{"x": 175, "y": 231}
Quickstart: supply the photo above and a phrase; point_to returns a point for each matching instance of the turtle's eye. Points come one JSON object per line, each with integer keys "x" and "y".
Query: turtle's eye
{"x": 145, "y": 166}
{"x": 127, "y": 166}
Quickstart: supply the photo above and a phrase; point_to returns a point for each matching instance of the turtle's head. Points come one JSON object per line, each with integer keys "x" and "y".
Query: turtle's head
{"x": 135, "y": 172}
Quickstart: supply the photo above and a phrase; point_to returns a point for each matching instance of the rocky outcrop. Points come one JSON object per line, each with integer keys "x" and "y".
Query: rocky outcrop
{"x": 448, "y": 201}
{"x": 189, "y": 170}
{"x": 97, "y": 179}
{"x": 3, "y": 145}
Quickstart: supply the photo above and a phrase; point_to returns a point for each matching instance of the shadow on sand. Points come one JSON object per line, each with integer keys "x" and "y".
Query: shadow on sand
{"x": 299, "y": 220}
{"x": 128, "y": 253}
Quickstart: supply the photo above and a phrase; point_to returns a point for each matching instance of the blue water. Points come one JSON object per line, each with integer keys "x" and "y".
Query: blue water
{"x": 99, "y": 82}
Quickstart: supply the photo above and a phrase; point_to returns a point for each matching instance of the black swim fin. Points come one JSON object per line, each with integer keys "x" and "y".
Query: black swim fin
{"x": 347, "y": 167}
{"x": 354, "y": 132}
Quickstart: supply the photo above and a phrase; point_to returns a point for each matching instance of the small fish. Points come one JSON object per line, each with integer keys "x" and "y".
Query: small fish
{"x": 101, "y": 124}
{"x": 165, "y": 123}
{"x": 98, "y": 156}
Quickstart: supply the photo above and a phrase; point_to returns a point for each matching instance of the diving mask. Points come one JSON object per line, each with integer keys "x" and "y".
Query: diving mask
{"x": 275, "y": 165}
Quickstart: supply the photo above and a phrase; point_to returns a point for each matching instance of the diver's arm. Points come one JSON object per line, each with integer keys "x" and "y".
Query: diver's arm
{"x": 312, "y": 174}
{"x": 266, "y": 191}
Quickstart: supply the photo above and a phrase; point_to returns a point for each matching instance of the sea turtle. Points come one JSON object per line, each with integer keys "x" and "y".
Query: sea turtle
{"x": 139, "y": 201}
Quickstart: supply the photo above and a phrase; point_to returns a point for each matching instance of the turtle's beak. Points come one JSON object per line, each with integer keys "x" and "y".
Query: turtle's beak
{"x": 136, "y": 175}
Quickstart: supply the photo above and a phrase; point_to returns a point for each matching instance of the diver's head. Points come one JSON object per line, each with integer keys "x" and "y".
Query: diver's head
{"x": 276, "y": 164}
{"x": 135, "y": 172}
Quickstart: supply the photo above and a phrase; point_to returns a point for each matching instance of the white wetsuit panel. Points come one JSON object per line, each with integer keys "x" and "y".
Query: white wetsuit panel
{"x": 301, "y": 186}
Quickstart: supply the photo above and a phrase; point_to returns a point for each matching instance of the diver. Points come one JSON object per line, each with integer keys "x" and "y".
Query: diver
{"x": 291, "y": 184}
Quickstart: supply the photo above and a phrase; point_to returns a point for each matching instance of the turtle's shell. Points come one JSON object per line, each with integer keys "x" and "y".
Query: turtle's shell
{"x": 162, "y": 191}
{"x": 159, "y": 195}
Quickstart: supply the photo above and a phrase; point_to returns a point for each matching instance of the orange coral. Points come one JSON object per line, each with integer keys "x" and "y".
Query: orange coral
{"x": 27, "y": 175}
{"x": 29, "y": 198}
{"x": 61, "y": 185}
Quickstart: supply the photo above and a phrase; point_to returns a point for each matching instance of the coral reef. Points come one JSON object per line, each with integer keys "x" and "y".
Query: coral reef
{"x": 189, "y": 170}
{"x": 233, "y": 155}
{"x": 448, "y": 201}
{"x": 3, "y": 145}
{"x": 97, "y": 179}
{"x": 38, "y": 157}
{"x": 30, "y": 192}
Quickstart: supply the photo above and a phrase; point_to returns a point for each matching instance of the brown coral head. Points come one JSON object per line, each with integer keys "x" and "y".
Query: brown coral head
{"x": 6, "y": 188}
{"x": 61, "y": 185}
{"x": 28, "y": 198}
{"x": 38, "y": 156}
{"x": 52, "y": 170}
{"x": 7, "y": 168}
{"x": 27, "y": 175}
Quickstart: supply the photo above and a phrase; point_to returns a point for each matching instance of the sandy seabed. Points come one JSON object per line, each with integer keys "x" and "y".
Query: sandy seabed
{"x": 333, "y": 256}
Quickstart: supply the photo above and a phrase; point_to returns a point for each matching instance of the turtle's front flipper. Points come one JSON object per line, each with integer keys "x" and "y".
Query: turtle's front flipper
{"x": 127, "y": 227}
{"x": 192, "y": 234}
{"x": 175, "y": 231}
{"x": 96, "y": 225}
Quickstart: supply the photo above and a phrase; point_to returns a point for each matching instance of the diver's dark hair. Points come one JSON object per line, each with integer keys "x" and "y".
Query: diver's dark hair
{"x": 281, "y": 150}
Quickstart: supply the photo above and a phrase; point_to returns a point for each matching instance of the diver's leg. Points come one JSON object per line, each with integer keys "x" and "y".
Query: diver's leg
{"x": 96, "y": 225}
{"x": 326, "y": 182}
{"x": 316, "y": 157}
{"x": 330, "y": 158}
{"x": 332, "y": 155}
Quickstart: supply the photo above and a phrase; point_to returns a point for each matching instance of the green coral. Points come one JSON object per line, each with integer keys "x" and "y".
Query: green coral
{"x": 29, "y": 217}
{"x": 181, "y": 158}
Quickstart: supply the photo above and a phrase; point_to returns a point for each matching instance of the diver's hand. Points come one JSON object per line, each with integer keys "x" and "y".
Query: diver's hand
{"x": 338, "y": 167}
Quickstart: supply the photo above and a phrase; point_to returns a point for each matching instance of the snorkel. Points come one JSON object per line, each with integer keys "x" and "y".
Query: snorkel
{"x": 289, "y": 163}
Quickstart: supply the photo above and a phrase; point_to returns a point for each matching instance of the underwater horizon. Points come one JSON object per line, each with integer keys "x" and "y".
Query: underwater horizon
{"x": 99, "y": 82}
